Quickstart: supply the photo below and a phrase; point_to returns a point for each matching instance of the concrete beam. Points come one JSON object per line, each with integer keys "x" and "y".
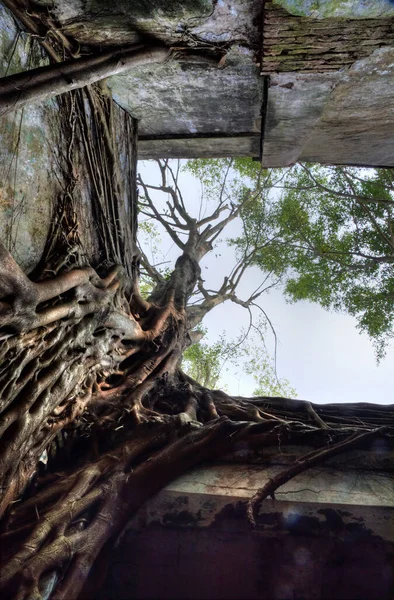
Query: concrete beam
{"x": 318, "y": 499}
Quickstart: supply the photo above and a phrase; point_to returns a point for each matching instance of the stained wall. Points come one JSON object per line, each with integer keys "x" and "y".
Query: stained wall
{"x": 329, "y": 533}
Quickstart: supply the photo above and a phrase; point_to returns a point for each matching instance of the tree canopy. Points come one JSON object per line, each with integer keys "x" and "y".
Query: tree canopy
{"x": 321, "y": 233}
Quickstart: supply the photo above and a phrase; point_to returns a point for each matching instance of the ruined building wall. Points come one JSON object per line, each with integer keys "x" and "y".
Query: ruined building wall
{"x": 305, "y": 44}
{"x": 328, "y": 533}
{"x": 300, "y": 80}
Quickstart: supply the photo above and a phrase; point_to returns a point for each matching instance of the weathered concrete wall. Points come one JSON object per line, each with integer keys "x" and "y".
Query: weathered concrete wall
{"x": 36, "y": 153}
{"x": 191, "y": 97}
{"x": 339, "y": 118}
{"x": 229, "y": 563}
{"x": 182, "y": 97}
{"x": 331, "y": 94}
{"x": 330, "y": 100}
{"x": 329, "y": 534}
{"x": 306, "y": 44}
{"x": 98, "y": 22}
{"x": 201, "y": 146}
{"x": 27, "y": 182}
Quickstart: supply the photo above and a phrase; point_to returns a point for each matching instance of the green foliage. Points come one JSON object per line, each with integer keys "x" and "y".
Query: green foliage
{"x": 219, "y": 180}
{"x": 209, "y": 364}
{"x": 148, "y": 230}
{"x": 261, "y": 367}
{"x": 146, "y": 286}
{"x": 327, "y": 233}
{"x": 203, "y": 362}
{"x": 227, "y": 187}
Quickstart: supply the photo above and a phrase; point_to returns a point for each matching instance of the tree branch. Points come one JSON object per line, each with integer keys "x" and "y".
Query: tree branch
{"x": 157, "y": 215}
{"x": 302, "y": 464}
{"x": 353, "y": 196}
{"x": 43, "y": 82}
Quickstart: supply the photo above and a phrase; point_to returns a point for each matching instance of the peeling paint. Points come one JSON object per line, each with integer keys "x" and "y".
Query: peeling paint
{"x": 298, "y": 550}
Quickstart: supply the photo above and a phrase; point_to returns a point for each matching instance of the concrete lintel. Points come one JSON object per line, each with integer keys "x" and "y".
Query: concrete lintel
{"x": 203, "y": 147}
{"x": 321, "y": 499}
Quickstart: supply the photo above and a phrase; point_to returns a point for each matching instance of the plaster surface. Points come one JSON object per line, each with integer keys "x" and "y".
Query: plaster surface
{"x": 32, "y": 150}
{"x": 203, "y": 147}
{"x": 327, "y": 104}
{"x": 96, "y": 22}
{"x": 363, "y": 497}
{"x": 192, "y": 97}
{"x": 339, "y": 118}
{"x": 357, "y": 122}
{"x": 27, "y": 185}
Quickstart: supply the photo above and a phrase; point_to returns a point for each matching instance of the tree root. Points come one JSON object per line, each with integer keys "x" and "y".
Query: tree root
{"x": 306, "y": 462}
{"x": 77, "y": 515}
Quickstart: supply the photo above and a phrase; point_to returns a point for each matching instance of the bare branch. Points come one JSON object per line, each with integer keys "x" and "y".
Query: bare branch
{"x": 353, "y": 196}
{"x": 361, "y": 202}
{"x": 157, "y": 215}
{"x": 150, "y": 269}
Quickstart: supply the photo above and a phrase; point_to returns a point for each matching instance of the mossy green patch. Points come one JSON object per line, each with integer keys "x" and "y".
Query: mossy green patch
{"x": 347, "y": 9}
{"x": 18, "y": 51}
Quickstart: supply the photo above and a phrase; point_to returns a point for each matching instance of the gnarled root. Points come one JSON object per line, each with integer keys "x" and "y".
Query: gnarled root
{"x": 80, "y": 326}
{"x": 62, "y": 528}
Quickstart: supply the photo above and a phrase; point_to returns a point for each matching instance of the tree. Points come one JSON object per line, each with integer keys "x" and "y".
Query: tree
{"x": 96, "y": 413}
{"x": 204, "y": 362}
{"x": 326, "y": 234}
{"x": 166, "y": 212}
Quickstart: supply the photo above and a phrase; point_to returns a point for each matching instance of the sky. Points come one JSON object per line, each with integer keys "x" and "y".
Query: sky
{"x": 321, "y": 353}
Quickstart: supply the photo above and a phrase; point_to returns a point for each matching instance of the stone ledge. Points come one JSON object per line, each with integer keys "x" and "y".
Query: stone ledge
{"x": 320, "y": 501}
{"x": 329, "y": 533}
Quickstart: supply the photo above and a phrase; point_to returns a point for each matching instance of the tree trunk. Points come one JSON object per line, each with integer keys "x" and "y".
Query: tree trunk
{"x": 90, "y": 378}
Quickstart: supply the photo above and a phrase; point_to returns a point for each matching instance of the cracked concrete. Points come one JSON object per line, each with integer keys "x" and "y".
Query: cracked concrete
{"x": 336, "y": 118}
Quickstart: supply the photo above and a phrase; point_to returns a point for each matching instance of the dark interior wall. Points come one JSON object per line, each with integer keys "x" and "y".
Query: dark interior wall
{"x": 228, "y": 561}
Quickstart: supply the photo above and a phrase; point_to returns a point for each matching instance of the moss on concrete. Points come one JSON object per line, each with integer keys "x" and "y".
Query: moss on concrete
{"x": 348, "y": 9}
{"x": 307, "y": 44}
